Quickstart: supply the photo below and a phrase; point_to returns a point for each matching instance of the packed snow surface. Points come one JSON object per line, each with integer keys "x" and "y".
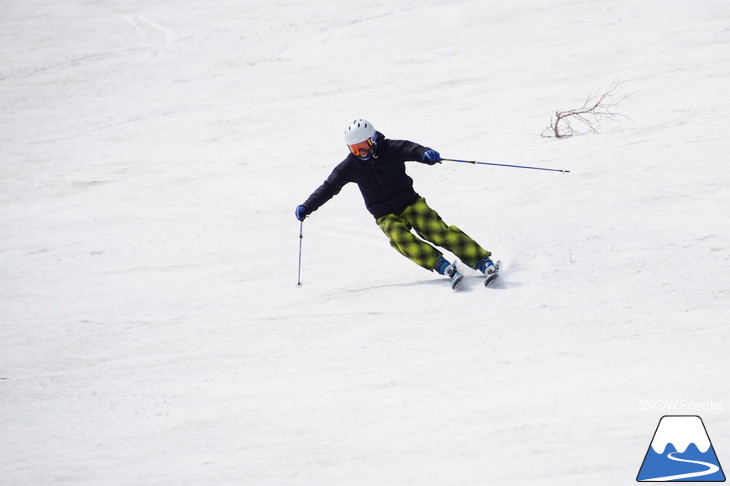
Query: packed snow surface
{"x": 152, "y": 155}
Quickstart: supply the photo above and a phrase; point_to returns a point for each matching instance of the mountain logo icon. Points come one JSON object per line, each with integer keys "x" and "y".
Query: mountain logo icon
{"x": 680, "y": 451}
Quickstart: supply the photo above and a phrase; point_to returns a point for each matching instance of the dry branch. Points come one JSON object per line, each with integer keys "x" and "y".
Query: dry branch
{"x": 587, "y": 118}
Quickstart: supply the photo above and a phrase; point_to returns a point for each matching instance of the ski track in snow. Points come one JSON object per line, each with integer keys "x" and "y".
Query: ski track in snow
{"x": 142, "y": 26}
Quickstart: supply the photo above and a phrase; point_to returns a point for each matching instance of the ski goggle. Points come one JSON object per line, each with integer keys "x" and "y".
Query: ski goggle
{"x": 361, "y": 149}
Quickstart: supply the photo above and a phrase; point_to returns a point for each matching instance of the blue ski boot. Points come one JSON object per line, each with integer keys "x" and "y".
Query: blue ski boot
{"x": 449, "y": 269}
{"x": 490, "y": 269}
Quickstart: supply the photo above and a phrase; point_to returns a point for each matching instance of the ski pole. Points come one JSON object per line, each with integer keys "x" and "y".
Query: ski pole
{"x": 299, "y": 271}
{"x": 505, "y": 165}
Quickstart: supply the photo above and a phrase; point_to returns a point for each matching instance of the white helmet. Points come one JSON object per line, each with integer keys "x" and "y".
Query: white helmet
{"x": 359, "y": 131}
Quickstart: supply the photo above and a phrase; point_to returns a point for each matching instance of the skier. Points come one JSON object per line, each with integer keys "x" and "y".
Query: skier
{"x": 377, "y": 165}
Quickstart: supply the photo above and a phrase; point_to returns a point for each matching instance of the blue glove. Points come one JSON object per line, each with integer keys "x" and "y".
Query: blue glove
{"x": 431, "y": 157}
{"x": 301, "y": 212}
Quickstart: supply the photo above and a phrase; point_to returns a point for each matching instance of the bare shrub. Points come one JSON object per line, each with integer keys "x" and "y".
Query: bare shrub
{"x": 587, "y": 118}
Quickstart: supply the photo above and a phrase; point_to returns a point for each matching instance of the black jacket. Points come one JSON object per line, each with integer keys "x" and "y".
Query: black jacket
{"x": 382, "y": 180}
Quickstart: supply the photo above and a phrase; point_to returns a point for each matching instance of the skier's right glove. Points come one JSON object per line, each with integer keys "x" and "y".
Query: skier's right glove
{"x": 301, "y": 212}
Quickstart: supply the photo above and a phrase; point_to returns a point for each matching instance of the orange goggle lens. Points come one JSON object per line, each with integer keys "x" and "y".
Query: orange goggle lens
{"x": 361, "y": 148}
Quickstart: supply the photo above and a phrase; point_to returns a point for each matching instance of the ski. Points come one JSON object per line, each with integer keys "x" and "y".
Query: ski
{"x": 493, "y": 275}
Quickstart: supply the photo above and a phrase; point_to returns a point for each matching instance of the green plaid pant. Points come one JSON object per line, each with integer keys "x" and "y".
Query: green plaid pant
{"x": 429, "y": 226}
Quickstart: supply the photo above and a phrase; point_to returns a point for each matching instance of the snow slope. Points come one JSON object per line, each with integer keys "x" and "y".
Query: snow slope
{"x": 151, "y": 157}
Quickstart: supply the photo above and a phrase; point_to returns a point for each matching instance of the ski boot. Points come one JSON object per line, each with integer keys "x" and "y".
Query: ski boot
{"x": 449, "y": 269}
{"x": 490, "y": 269}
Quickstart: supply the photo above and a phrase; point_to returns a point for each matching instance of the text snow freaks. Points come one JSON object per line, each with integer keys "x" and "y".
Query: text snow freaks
{"x": 679, "y": 406}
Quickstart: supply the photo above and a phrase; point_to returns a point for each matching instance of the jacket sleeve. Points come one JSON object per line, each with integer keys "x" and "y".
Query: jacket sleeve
{"x": 329, "y": 188}
{"x": 407, "y": 150}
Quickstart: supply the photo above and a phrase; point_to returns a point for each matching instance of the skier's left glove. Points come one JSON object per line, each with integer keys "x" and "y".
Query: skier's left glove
{"x": 431, "y": 157}
{"x": 301, "y": 212}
